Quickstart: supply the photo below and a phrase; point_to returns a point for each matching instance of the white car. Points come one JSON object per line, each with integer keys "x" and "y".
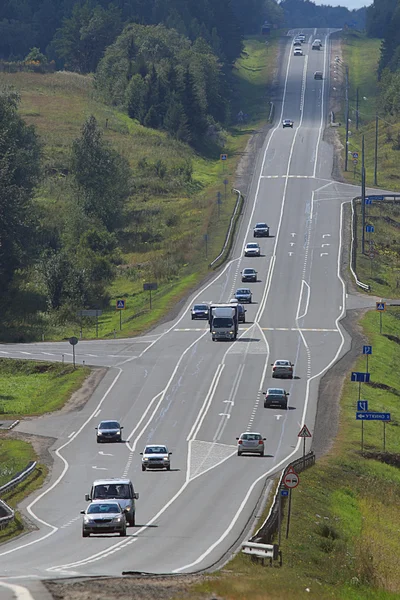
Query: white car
{"x": 156, "y": 456}
{"x": 252, "y": 249}
{"x": 298, "y": 52}
{"x": 282, "y": 368}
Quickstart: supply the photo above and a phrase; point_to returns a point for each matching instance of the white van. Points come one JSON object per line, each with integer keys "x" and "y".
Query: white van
{"x": 120, "y": 490}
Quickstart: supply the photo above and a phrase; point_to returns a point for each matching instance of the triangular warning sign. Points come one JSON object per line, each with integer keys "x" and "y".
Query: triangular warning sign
{"x": 290, "y": 470}
{"x": 304, "y": 432}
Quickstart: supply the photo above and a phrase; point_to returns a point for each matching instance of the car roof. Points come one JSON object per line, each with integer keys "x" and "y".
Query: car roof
{"x": 114, "y": 481}
{"x": 250, "y": 433}
{"x": 262, "y": 224}
{"x": 249, "y": 269}
{"x": 282, "y": 361}
{"x": 105, "y": 501}
{"x": 243, "y": 289}
{"x": 155, "y": 445}
{"x": 252, "y": 244}
{"x": 287, "y": 120}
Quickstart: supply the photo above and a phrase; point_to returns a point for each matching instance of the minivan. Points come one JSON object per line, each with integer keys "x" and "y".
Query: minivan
{"x": 120, "y": 490}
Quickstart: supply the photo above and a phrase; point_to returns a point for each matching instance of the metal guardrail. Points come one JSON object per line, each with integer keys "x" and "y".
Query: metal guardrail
{"x": 271, "y": 111}
{"x": 231, "y": 226}
{"x": 10, "y": 514}
{"x": 262, "y": 551}
{"x": 270, "y": 526}
{"x": 360, "y": 284}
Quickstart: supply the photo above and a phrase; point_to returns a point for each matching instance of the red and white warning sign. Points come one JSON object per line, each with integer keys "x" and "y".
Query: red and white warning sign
{"x": 291, "y": 479}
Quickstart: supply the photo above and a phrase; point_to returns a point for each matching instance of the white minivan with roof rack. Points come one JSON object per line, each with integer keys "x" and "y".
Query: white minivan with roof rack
{"x": 120, "y": 490}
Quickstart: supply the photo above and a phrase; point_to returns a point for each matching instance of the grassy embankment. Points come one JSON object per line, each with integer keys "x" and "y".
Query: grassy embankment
{"x": 382, "y": 270}
{"x": 57, "y": 104}
{"x": 28, "y": 389}
{"x": 344, "y": 541}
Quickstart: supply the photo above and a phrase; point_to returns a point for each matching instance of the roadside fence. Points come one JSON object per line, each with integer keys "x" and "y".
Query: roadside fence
{"x": 232, "y": 225}
{"x": 6, "y": 512}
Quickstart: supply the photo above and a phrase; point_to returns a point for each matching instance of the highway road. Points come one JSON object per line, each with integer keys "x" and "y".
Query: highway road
{"x": 176, "y": 386}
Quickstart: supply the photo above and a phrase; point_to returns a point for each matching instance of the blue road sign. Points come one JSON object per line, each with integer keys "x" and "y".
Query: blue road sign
{"x": 367, "y": 349}
{"x": 377, "y": 197}
{"x": 368, "y": 200}
{"x": 120, "y": 305}
{"x": 362, "y": 405}
{"x": 284, "y": 492}
{"x": 355, "y": 154}
{"x": 360, "y": 377}
{"x": 372, "y": 416}
{"x": 381, "y": 306}
{"x": 369, "y": 228}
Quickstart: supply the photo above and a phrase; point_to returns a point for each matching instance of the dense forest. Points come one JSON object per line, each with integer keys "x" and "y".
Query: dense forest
{"x": 305, "y": 13}
{"x": 383, "y": 21}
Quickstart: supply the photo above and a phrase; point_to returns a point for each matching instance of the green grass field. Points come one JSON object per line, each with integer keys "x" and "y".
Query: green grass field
{"x": 33, "y": 388}
{"x": 58, "y": 104}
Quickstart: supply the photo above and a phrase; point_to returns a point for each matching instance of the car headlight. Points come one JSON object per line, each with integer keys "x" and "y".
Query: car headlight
{"x": 118, "y": 519}
{"x": 145, "y": 459}
{"x": 87, "y": 519}
{"x": 213, "y": 332}
{"x": 165, "y": 458}
{"x": 231, "y": 332}
{"x": 127, "y": 508}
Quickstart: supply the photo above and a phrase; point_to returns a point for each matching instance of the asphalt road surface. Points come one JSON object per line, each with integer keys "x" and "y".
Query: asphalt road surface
{"x": 178, "y": 387}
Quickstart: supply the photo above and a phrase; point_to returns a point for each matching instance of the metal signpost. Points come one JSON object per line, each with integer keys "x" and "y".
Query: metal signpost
{"x": 149, "y": 287}
{"x": 120, "y": 305}
{"x": 283, "y": 494}
{"x": 225, "y": 184}
{"x": 380, "y": 307}
{"x": 362, "y": 405}
{"x": 304, "y": 433}
{"x": 372, "y": 416}
{"x": 291, "y": 480}
{"x": 90, "y": 313}
{"x": 367, "y": 350}
{"x": 359, "y": 378}
{"x": 219, "y": 202}
{"x": 73, "y": 341}
{"x": 224, "y": 158}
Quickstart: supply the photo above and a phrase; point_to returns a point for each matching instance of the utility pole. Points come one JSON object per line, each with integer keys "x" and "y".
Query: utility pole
{"x": 363, "y": 196}
{"x": 346, "y": 157}
{"x": 376, "y": 150}
{"x": 357, "y": 119}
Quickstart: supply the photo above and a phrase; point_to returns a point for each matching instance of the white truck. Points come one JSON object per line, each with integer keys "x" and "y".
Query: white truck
{"x": 224, "y": 320}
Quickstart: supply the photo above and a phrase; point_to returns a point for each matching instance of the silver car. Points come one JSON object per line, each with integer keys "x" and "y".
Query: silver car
{"x": 156, "y": 457}
{"x": 252, "y": 249}
{"x": 102, "y": 516}
{"x": 250, "y": 443}
{"x": 244, "y": 295}
{"x": 282, "y": 368}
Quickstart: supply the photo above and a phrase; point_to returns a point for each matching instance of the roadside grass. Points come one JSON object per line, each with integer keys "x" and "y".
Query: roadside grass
{"x": 379, "y": 266}
{"x": 382, "y": 271}
{"x": 362, "y": 54}
{"x": 344, "y": 538}
{"x": 14, "y": 457}
{"x": 58, "y": 104}
{"x": 31, "y": 388}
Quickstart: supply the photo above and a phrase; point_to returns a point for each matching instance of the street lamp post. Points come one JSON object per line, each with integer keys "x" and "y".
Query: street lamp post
{"x": 363, "y": 195}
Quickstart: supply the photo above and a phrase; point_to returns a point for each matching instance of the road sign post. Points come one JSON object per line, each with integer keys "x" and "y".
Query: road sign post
{"x": 120, "y": 305}
{"x": 219, "y": 202}
{"x": 149, "y": 287}
{"x": 225, "y": 184}
{"x": 372, "y": 416}
{"x": 304, "y": 433}
{"x": 73, "y": 341}
{"x": 367, "y": 350}
{"x": 380, "y": 307}
{"x": 290, "y": 480}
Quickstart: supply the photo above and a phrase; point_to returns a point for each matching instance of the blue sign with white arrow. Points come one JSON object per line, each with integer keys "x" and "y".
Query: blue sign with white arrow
{"x": 375, "y": 197}
{"x": 360, "y": 377}
{"x": 367, "y": 349}
{"x": 369, "y": 228}
{"x": 362, "y": 405}
{"x": 368, "y": 200}
{"x": 284, "y": 492}
{"x": 372, "y": 416}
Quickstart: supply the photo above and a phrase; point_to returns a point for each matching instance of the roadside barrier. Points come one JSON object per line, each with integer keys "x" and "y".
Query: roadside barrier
{"x": 4, "y": 508}
{"x": 229, "y": 236}
{"x": 262, "y": 551}
{"x": 270, "y": 526}
{"x": 360, "y": 284}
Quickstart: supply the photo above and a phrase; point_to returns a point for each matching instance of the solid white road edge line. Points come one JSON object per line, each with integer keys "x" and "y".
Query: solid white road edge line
{"x": 19, "y": 592}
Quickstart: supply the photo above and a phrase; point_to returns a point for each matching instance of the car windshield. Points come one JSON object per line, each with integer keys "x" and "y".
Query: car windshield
{"x": 248, "y": 271}
{"x": 103, "y": 508}
{"x": 112, "y": 490}
{"x": 222, "y": 322}
{"x": 282, "y": 363}
{"x": 200, "y": 307}
{"x": 243, "y": 291}
{"x": 275, "y": 392}
{"x": 155, "y": 450}
{"x": 251, "y": 436}
{"x": 109, "y": 425}
{"x": 252, "y": 245}
{"x": 262, "y": 225}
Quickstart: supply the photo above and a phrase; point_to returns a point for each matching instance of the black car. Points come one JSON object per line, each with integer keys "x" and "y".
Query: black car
{"x": 242, "y": 313}
{"x": 109, "y": 431}
{"x": 261, "y": 230}
{"x": 276, "y": 397}
{"x": 200, "y": 311}
{"x": 249, "y": 275}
